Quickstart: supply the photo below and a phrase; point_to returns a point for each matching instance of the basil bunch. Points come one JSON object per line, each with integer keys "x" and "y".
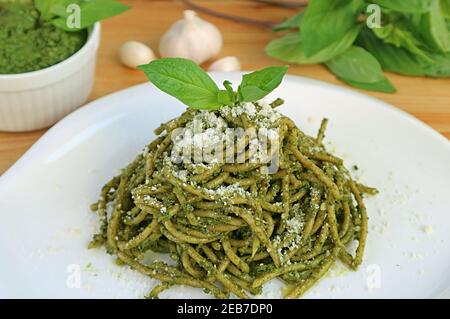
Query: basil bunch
{"x": 57, "y": 12}
{"x": 413, "y": 39}
{"x": 186, "y": 81}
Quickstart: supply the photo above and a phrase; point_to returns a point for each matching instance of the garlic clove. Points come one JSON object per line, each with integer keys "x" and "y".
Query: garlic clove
{"x": 191, "y": 38}
{"x": 226, "y": 64}
{"x": 134, "y": 53}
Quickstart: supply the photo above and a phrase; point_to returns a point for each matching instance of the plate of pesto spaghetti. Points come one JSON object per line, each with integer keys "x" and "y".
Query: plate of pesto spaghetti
{"x": 229, "y": 185}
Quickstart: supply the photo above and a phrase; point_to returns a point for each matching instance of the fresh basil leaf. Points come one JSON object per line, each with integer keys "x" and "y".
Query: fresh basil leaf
{"x": 357, "y": 65}
{"x": 91, "y": 11}
{"x": 290, "y": 48}
{"x": 224, "y": 98}
{"x": 398, "y": 35}
{"x": 184, "y": 80}
{"x": 360, "y": 69}
{"x": 256, "y": 85}
{"x": 433, "y": 28}
{"x": 445, "y": 7}
{"x": 405, "y": 6}
{"x": 231, "y": 99}
{"x": 383, "y": 86}
{"x": 228, "y": 87}
{"x": 390, "y": 57}
{"x": 440, "y": 67}
{"x": 326, "y": 21}
{"x": 401, "y": 61}
{"x": 291, "y": 23}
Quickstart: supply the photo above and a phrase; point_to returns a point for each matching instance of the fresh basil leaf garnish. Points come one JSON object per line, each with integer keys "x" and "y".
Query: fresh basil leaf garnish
{"x": 256, "y": 85}
{"x": 186, "y": 81}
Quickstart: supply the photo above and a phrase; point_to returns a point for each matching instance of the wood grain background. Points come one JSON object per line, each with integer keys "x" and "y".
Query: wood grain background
{"x": 425, "y": 98}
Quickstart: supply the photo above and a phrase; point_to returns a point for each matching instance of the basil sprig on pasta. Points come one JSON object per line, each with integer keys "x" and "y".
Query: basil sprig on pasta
{"x": 186, "y": 81}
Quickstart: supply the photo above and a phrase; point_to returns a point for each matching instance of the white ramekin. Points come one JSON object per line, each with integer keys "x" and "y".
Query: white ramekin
{"x": 34, "y": 100}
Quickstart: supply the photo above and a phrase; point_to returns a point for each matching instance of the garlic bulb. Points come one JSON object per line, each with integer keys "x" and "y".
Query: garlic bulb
{"x": 226, "y": 64}
{"x": 191, "y": 38}
{"x": 133, "y": 54}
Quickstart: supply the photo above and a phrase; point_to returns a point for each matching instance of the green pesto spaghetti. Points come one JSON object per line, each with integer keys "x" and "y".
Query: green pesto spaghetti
{"x": 231, "y": 227}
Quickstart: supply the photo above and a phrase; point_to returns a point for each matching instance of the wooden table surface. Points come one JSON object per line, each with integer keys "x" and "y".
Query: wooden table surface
{"x": 425, "y": 98}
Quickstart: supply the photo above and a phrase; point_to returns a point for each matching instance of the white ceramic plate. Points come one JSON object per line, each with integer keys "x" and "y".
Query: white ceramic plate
{"x": 46, "y": 223}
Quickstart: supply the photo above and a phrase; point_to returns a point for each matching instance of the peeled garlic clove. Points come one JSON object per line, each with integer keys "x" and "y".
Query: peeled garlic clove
{"x": 226, "y": 64}
{"x": 191, "y": 38}
{"x": 134, "y": 53}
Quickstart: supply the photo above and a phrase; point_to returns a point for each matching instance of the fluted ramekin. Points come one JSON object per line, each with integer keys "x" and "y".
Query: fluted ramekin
{"x": 34, "y": 100}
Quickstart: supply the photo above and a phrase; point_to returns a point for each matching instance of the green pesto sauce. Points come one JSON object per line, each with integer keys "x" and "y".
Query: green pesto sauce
{"x": 30, "y": 44}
